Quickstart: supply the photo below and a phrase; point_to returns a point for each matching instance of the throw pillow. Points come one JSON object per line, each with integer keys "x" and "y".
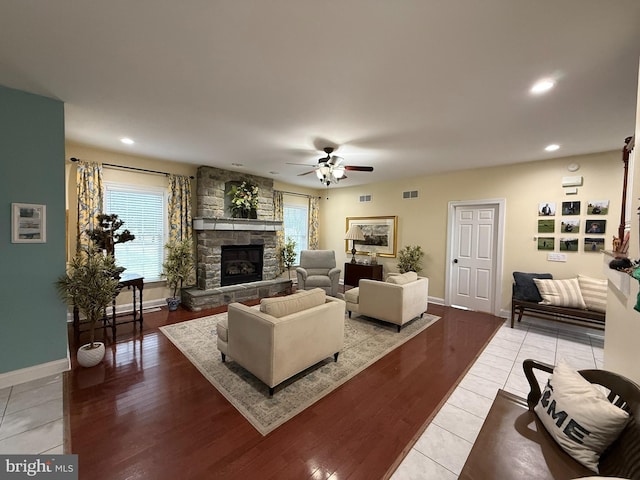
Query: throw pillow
{"x": 561, "y": 293}
{"x": 525, "y": 288}
{"x": 579, "y": 416}
{"x": 594, "y": 293}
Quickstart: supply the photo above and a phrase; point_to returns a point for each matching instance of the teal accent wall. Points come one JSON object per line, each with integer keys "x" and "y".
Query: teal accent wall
{"x": 33, "y": 327}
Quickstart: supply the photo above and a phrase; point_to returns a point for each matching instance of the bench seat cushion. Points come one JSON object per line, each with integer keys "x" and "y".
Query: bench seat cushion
{"x": 519, "y": 447}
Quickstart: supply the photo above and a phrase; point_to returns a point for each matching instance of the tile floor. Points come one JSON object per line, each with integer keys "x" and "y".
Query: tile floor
{"x": 31, "y": 413}
{"x": 443, "y": 448}
{"x": 31, "y": 417}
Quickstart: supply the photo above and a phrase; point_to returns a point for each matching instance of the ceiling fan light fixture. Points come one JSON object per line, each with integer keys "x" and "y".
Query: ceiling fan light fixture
{"x": 338, "y": 173}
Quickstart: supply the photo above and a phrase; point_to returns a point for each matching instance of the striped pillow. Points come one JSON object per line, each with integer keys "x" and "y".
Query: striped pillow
{"x": 561, "y": 293}
{"x": 594, "y": 293}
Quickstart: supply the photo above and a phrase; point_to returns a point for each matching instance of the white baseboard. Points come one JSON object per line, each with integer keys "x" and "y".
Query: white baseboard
{"x": 436, "y": 300}
{"x": 128, "y": 307}
{"x": 35, "y": 372}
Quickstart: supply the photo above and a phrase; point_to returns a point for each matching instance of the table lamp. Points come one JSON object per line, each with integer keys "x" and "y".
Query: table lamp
{"x": 354, "y": 233}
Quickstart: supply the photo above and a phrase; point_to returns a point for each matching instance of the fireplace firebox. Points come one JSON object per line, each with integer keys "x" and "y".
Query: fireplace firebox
{"x": 241, "y": 264}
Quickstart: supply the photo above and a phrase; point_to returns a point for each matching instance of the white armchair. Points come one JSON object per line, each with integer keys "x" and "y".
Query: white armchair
{"x": 318, "y": 270}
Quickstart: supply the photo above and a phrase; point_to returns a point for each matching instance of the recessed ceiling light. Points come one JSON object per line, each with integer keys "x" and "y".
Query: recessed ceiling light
{"x": 128, "y": 141}
{"x": 542, "y": 86}
{"x": 552, "y": 148}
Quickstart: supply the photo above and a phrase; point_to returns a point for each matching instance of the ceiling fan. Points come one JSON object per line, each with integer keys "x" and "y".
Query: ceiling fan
{"x": 330, "y": 169}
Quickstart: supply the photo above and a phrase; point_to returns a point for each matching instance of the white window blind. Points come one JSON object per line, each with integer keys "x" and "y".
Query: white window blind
{"x": 143, "y": 210}
{"x": 296, "y": 226}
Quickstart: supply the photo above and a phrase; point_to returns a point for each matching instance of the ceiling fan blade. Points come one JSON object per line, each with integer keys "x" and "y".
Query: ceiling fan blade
{"x": 305, "y": 173}
{"x": 358, "y": 169}
{"x": 303, "y": 164}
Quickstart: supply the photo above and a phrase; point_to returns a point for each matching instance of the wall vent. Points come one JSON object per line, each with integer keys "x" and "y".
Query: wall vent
{"x": 365, "y": 198}
{"x": 411, "y": 194}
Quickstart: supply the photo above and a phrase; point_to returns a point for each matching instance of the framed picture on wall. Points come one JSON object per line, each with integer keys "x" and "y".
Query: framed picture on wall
{"x": 379, "y": 235}
{"x": 595, "y": 226}
{"x": 569, "y": 225}
{"x": 597, "y": 207}
{"x": 28, "y": 223}
{"x": 570, "y": 208}
{"x": 546, "y": 209}
{"x": 569, "y": 244}
{"x": 592, "y": 244}
{"x": 546, "y": 243}
{"x": 546, "y": 225}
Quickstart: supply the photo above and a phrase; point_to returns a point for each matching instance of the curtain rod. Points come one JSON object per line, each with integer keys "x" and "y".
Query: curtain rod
{"x": 73, "y": 159}
{"x": 296, "y": 194}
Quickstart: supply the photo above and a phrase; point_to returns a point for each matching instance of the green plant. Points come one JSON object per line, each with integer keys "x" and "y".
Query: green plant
{"x": 410, "y": 259}
{"x": 105, "y": 235}
{"x": 244, "y": 199}
{"x": 289, "y": 254}
{"x": 90, "y": 284}
{"x": 179, "y": 264}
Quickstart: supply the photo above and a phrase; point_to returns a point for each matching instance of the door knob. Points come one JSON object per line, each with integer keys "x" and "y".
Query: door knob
{"x": 455, "y": 260}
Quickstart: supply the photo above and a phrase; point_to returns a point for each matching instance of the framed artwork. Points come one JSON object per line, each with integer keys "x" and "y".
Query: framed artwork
{"x": 546, "y": 209}
{"x": 568, "y": 225}
{"x": 595, "y": 226}
{"x": 597, "y": 207}
{"x": 546, "y": 225}
{"x": 546, "y": 243}
{"x": 380, "y": 234}
{"x": 592, "y": 244}
{"x": 569, "y": 244}
{"x": 28, "y": 223}
{"x": 570, "y": 208}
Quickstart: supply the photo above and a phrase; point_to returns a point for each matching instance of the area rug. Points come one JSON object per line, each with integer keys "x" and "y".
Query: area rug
{"x": 366, "y": 341}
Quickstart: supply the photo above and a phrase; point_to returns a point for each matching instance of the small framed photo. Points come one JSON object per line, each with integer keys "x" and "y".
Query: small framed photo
{"x": 546, "y": 225}
{"x": 29, "y": 223}
{"x": 595, "y": 226}
{"x": 593, "y": 244}
{"x": 546, "y": 243}
{"x": 570, "y": 208}
{"x": 546, "y": 209}
{"x": 569, "y": 225}
{"x": 569, "y": 244}
{"x": 597, "y": 207}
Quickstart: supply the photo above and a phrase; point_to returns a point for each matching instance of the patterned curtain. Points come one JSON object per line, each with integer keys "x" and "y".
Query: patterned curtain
{"x": 278, "y": 214}
{"x": 314, "y": 207}
{"x": 179, "y": 208}
{"x": 90, "y": 194}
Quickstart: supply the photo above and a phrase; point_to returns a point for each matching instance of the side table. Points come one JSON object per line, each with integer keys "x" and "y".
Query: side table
{"x": 353, "y": 272}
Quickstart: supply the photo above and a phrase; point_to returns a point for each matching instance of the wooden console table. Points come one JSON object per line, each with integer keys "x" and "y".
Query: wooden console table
{"x": 132, "y": 281}
{"x": 353, "y": 272}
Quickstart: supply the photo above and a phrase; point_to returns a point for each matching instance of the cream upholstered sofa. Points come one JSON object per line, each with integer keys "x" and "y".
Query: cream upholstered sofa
{"x": 318, "y": 269}
{"x": 284, "y": 336}
{"x": 399, "y": 299}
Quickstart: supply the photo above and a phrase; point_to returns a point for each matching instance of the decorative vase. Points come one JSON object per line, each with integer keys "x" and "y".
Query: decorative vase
{"x": 173, "y": 303}
{"x": 90, "y": 357}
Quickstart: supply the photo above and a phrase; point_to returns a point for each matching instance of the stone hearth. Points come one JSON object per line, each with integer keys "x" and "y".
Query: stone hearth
{"x": 214, "y": 228}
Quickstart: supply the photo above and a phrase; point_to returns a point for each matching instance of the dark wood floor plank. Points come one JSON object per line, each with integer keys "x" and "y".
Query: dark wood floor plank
{"x": 148, "y": 413}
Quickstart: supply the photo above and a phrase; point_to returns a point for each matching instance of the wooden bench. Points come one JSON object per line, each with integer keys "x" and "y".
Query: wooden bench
{"x": 575, "y": 316}
{"x": 513, "y": 443}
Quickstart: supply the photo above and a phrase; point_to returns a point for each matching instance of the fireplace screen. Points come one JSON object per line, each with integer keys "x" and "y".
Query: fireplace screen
{"x": 241, "y": 264}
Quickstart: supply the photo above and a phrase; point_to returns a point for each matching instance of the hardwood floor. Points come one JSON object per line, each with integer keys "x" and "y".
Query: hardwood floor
{"x": 147, "y": 413}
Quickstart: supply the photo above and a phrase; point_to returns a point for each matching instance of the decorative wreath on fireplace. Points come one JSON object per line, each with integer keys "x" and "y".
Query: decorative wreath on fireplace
{"x": 244, "y": 199}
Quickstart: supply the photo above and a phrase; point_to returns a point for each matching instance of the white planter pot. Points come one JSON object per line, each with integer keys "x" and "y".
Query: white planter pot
{"x": 90, "y": 357}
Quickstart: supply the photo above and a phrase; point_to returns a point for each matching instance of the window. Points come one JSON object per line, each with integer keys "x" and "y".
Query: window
{"x": 143, "y": 211}
{"x": 296, "y": 226}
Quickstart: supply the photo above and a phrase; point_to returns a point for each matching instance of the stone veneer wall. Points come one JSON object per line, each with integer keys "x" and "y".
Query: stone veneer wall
{"x": 210, "y": 203}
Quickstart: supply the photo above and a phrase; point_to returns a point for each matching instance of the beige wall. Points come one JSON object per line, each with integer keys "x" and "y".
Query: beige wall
{"x": 423, "y": 221}
{"x": 622, "y": 335}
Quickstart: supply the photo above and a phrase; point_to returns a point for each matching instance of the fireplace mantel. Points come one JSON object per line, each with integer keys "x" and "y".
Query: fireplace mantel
{"x": 236, "y": 224}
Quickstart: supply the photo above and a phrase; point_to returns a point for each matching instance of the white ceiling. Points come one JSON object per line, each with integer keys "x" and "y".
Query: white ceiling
{"x": 410, "y": 87}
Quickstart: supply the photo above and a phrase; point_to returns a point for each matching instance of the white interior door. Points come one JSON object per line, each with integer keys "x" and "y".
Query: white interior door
{"x": 473, "y": 257}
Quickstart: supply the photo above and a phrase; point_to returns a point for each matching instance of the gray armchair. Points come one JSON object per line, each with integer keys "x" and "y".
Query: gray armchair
{"x": 318, "y": 269}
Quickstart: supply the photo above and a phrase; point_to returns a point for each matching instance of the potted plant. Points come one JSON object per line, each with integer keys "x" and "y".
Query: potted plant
{"x": 105, "y": 235}
{"x": 90, "y": 284}
{"x": 244, "y": 200}
{"x": 410, "y": 259}
{"x": 177, "y": 268}
{"x": 289, "y": 254}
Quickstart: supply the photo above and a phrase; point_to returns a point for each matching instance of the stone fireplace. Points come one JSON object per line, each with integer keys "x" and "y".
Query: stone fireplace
{"x": 215, "y": 231}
